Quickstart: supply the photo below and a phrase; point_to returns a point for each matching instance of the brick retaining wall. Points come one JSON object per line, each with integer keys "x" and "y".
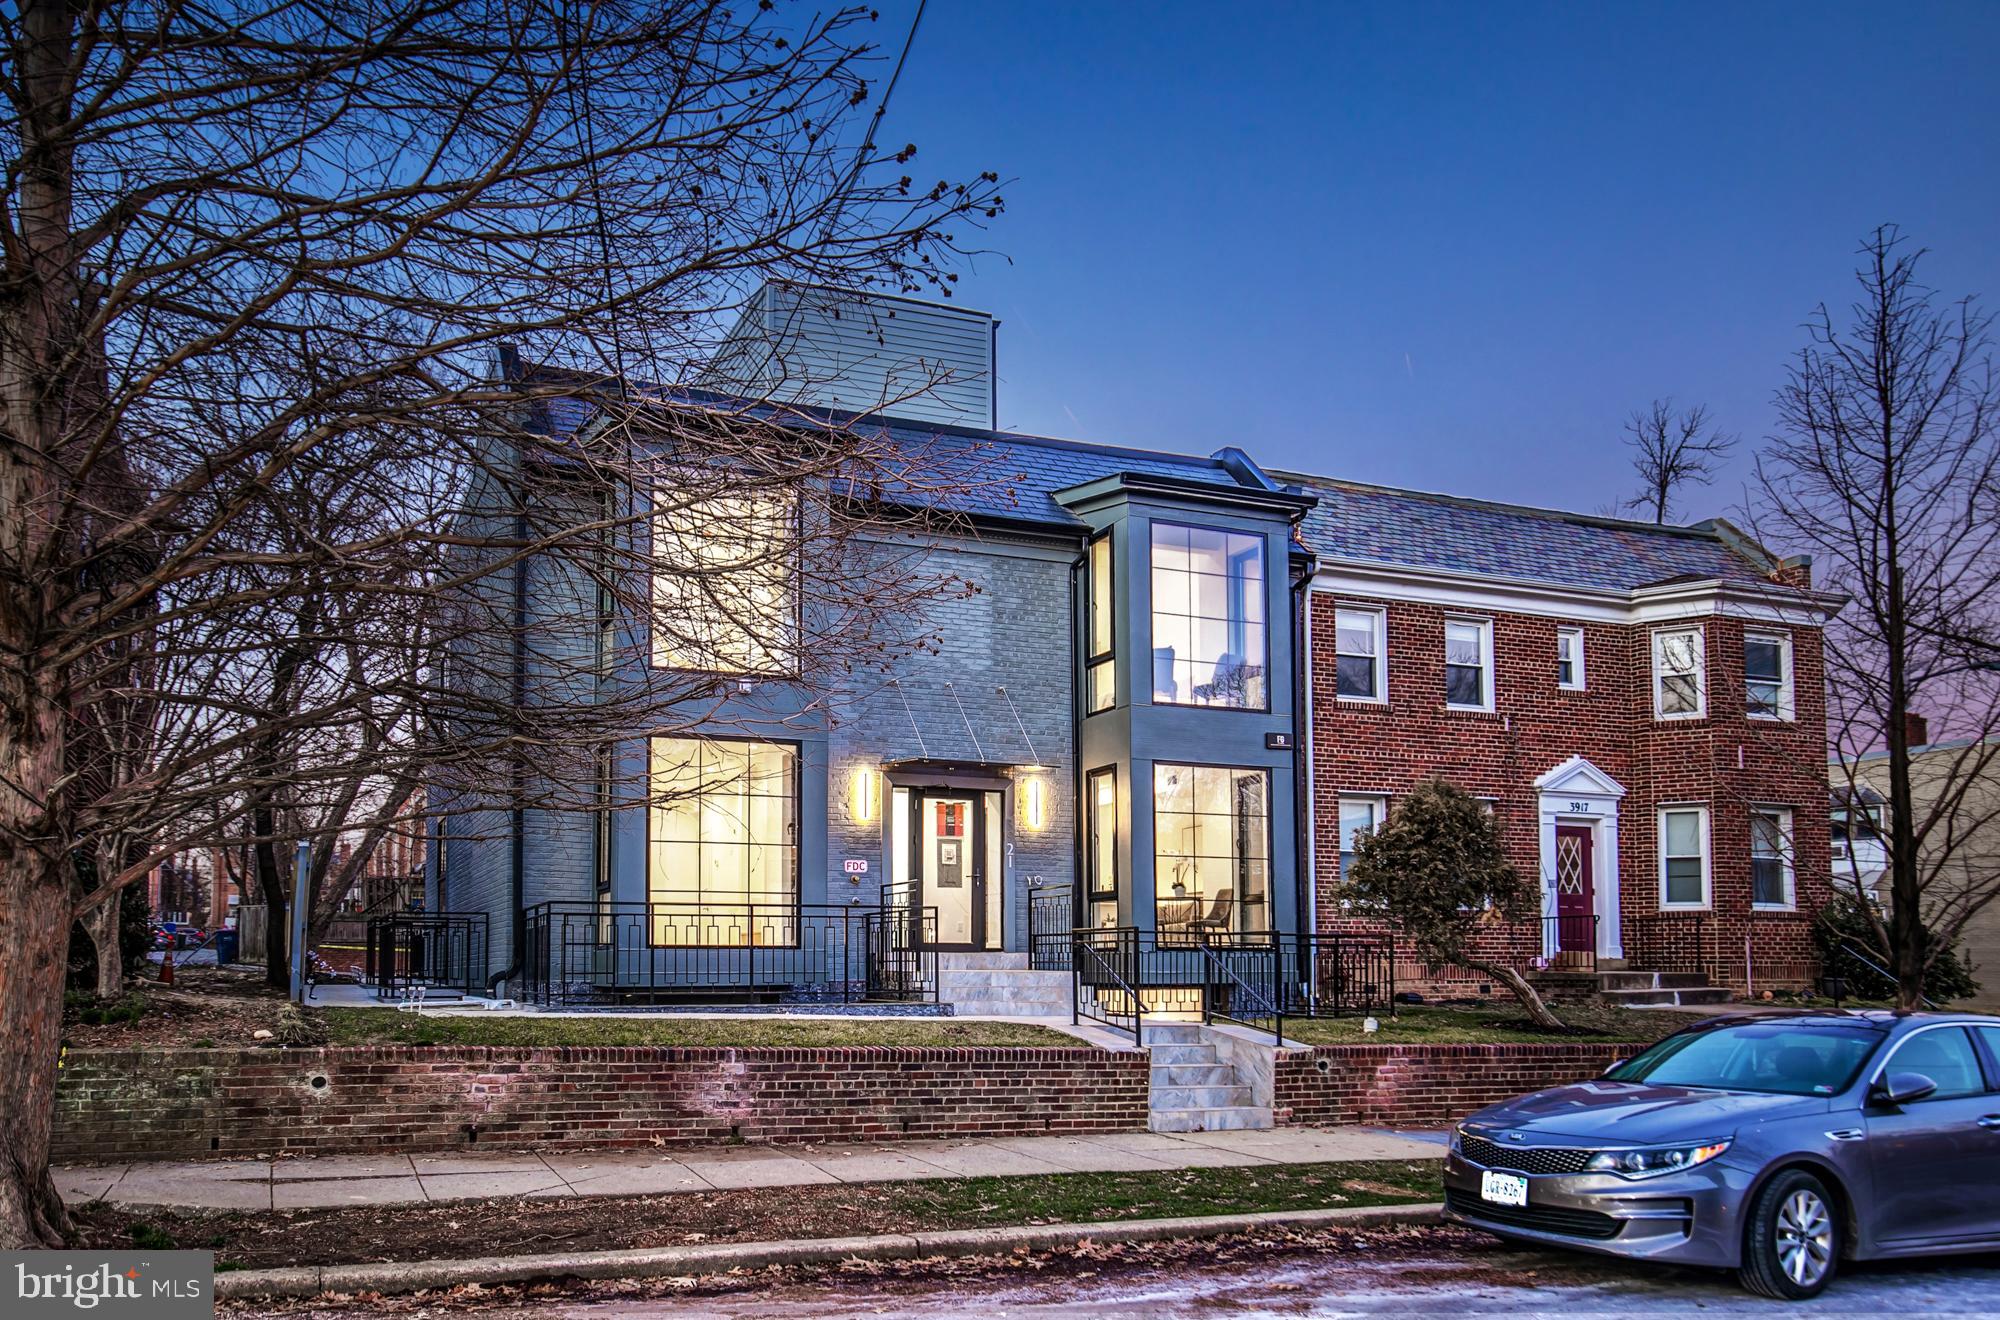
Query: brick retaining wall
{"x": 1425, "y": 1085}
{"x": 185, "y": 1103}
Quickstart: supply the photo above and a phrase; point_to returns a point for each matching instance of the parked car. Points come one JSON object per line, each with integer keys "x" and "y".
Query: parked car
{"x": 1776, "y": 1146}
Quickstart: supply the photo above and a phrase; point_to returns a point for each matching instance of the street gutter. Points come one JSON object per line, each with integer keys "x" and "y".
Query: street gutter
{"x": 674, "y": 1262}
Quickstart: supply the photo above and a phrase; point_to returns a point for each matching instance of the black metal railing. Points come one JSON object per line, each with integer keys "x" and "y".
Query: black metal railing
{"x": 1122, "y": 975}
{"x": 1674, "y": 942}
{"x": 438, "y": 951}
{"x": 640, "y": 953}
{"x": 1570, "y": 941}
{"x": 1051, "y": 919}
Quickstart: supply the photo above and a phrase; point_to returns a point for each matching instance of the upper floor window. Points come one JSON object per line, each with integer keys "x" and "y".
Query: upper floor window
{"x": 1209, "y": 645}
{"x": 1684, "y": 857}
{"x": 1468, "y": 664}
{"x": 1767, "y": 675}
{"x": 1359, "y": 655}
{"x": 1771, "y": 857}
{"x": 1569, "y": 658}
{"x": 726, "y": 584}
{"x": 1678, "y": 690}
{"x": 1101, "y": 667}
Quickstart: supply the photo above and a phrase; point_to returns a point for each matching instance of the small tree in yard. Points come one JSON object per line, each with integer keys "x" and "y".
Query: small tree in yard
{"x": 1436, "y": 869}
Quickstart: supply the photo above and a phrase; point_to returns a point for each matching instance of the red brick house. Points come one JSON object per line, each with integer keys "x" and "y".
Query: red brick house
{"x": 1642, "y": 705}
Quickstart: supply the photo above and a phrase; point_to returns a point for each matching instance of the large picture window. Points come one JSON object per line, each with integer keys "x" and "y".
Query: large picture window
{"x": 726, "y": 584}
{"x": 1209, "y": 646}
{"x": 724, "y": 865}
{"x": 1101, "y": 665}
{"x": 1211, "y": 851}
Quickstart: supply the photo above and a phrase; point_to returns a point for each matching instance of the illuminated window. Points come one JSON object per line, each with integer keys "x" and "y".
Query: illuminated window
{"x": 1102, "y": 668}
{"x": 1102, "y": 859}
{"x": 1211, "y": 851}
{"x": 1208, "y": 618}
{"x": 726, "y": 585}
{"x": 724, "y": 864}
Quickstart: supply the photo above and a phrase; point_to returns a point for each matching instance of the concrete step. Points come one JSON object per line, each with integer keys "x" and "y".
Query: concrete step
{"x": 1203, "y": 1053}
{"x": 989, "y": 962}
{"x": 1166, "y": 1099}
{"x": 1235, "y": 1118}
{"x": 1027, "y": 994}
{"x": 1193, "y": 1074}
{"x": 1174, "y": 1033}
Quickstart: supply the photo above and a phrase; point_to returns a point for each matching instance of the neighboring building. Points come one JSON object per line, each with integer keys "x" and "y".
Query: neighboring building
{"x": 1181, "y": 684}
{"x": 1861, "y": 822}
{"x": 193, "y": 889}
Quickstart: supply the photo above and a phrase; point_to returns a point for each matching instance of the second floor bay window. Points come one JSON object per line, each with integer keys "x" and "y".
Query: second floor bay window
{"x": 1209, "y": 642}
{"x": 726, "y": 583}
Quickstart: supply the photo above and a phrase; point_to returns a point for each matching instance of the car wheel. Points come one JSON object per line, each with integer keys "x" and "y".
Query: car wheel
{"x": 1792, "y": 1243}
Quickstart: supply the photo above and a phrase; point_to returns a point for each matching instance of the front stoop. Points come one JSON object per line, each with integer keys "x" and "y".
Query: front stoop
{"x": 1001, "y": 985}
{"x": 1629, "y": 989}
{"x": 1193, "y": 1089}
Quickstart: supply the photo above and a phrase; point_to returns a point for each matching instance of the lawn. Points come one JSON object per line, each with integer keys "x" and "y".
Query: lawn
{"x": 381, "y": 1026}
{"x": 515, "y": 1225}
{"x": 1502, "y": 1022}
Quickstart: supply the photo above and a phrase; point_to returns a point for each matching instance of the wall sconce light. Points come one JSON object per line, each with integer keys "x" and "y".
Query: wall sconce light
{"x": 1035, "y": 802}
{"x": 864, "y": 794}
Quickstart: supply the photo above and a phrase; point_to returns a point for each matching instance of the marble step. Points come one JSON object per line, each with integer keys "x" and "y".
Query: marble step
{"x": 1172, "y": 1033}
{"x": 1168, "y": 1099}
{"x": 1193, "y": 1074}
{"x": 996, "y": 1008}
{"x": 1235, "y": 1118}
{"x": 1178, "y": 1054}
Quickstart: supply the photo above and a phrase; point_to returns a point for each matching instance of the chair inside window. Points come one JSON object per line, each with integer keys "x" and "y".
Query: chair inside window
{"x": 1218, "y": 918}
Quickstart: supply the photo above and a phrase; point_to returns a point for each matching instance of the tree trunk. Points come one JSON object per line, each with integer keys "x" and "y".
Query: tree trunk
{"x": 1538, "y": 1009}
{"x": 34, "y": 939}
{"x": 271, "y": 884}
{"x": 102, "y": 924}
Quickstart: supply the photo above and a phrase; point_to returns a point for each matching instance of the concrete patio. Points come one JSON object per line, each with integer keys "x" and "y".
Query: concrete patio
{"x": 388, "y": 1179}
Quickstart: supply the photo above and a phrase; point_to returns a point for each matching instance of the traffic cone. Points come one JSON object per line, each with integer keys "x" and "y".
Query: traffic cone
{"x": 167, "y": 967}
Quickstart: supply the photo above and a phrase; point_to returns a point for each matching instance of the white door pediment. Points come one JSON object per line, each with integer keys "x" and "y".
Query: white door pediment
{"x": 1577, "y": 777}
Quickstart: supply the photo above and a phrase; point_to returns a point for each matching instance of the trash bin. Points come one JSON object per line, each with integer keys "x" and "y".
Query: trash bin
{"x": 225, "y": 945}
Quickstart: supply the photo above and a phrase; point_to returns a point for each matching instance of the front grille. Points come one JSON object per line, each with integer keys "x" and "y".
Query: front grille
{"x": 1523, "y": 1159}
{"x": 1539, "y": 1218}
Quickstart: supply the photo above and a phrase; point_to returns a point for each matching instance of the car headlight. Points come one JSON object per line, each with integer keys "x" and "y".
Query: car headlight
{"x": 1652, "y": 1161}
{"x": 1458, "y": 1139}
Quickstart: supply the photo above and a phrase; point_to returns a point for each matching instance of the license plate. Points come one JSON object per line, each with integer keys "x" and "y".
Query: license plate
{"x": 1503, "y": 1189}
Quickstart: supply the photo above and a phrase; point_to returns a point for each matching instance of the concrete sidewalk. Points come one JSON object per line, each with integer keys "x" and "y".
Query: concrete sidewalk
{"x": 341, "y": 1180}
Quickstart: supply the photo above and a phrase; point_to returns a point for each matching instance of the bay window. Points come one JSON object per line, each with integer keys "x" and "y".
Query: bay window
{"x": 1101, "y": 861}
{"x": 1678, "y": 690}
{"x": 1767, "y": 675}
{"x": 1209, "y": 644}
{"x": 1211, "y": 851}
{"x": 1101, "y": 666}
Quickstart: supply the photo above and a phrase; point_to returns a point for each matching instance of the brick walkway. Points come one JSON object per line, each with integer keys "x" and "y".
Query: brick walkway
{"x": 338, "y": 1180}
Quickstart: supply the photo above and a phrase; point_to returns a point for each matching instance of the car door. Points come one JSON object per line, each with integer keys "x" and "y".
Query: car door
{"x": 1934, "y": 1166}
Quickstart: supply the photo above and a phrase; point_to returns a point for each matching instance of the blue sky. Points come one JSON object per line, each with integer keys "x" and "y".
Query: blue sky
{"x": 1442, "y": 246}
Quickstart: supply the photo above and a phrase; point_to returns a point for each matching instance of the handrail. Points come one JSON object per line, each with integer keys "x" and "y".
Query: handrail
{"x": 1272, "y": 998}
{"x": 1860, "y": 956}
{"x": 1080, "y": 945}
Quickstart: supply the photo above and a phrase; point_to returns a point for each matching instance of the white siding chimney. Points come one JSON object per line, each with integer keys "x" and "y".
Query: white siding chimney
{"x": 860, "y": 352}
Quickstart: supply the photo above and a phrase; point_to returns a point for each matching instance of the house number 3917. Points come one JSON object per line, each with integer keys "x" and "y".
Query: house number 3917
{"x": 1579, "y": 806}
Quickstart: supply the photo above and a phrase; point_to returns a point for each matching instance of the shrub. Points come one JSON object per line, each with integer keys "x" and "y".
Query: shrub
{"x": 1844, "y": 936}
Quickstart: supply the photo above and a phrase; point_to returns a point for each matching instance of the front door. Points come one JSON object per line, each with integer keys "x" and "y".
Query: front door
{"x": 1576, "y": 890}
{"x": 951, "y": 863}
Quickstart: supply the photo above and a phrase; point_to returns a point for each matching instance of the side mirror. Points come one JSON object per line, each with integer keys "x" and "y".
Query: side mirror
{"x": 1613, "y": 1067}
{"x": 1901, "y": 1088}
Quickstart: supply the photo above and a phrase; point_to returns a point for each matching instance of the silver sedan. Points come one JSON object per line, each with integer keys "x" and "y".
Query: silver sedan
{"x": 1776, "y": 1146}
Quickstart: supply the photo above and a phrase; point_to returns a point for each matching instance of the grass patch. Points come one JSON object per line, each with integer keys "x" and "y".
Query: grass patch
{"x": 512, "y": 1225}
{"x": 1499, "y": 1023}
{"x": 381, "y": 1026}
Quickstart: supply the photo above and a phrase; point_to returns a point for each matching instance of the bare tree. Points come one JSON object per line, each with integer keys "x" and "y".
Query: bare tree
{"x": 281, "y": 252}
{"x": 1670, "y": 451}
{"x": 1886, "y": 467}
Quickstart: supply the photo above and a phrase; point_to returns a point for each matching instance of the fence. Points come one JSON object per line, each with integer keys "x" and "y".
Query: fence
{"x": 1674, "y": 942}
{"x": 447, "y": 951}
{"x": 1051, "y": 919}
{"x": 728, "y": 952}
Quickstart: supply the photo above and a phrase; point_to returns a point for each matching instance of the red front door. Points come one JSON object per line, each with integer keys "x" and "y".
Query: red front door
{"x": 1576, "y": 892}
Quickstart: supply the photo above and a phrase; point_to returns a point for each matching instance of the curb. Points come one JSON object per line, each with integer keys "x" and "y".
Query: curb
{"x": 659, "y": 1262}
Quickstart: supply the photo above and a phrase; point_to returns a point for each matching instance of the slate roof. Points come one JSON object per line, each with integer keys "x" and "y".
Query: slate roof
{"x": 1459, "y": 535}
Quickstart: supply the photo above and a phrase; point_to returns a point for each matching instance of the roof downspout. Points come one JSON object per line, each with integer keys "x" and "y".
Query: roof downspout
{"x": 1302, "y": 785}
{"x": 518, "y": 842}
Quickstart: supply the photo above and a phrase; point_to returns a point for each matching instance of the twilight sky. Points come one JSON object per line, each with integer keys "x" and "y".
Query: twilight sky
{"x": 1448, "y": 246}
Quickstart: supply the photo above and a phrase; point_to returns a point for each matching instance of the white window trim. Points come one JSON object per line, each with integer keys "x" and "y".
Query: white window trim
{"x": 1785, "y": 853}
{"x": 1380, "y": 619}
{"x": 1783, "y": 640}
{"x": 1577, "y": 683}
{"x": 1379, "y": 806}
{"x": 1490, "y": 687}
{"x": 1700, "y": 710}
{"x": 1707, "y": 858}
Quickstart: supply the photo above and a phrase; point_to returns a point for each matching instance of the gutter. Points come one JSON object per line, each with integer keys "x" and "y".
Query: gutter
{"x": 518, "y": 843}
{"x": 1302, "y": 787}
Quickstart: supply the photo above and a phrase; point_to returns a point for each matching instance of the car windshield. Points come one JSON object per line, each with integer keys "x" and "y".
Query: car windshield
{"x": 1780, "y": 1058}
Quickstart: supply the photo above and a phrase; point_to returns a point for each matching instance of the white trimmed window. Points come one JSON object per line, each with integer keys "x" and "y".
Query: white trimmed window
{"x": 1361, "y": 649}
{"x": 1569, "y": 659}
{"x": 1684, "y": 867}
{"x": 1679, "y": 693}
{"x": 1359, "y": 818}
{"x": 1767, "y": 675}
{"x": 1771, "y": 859}
{"x": 1468, "y": 664}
